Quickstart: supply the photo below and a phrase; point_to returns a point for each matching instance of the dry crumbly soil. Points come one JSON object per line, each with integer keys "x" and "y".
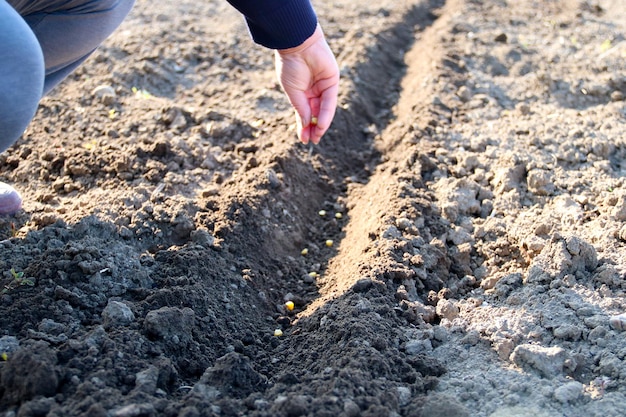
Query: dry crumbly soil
{"x": 472, "y": 186}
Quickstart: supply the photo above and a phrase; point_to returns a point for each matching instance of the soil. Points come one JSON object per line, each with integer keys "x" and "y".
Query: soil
{"x": 455, "y": 246}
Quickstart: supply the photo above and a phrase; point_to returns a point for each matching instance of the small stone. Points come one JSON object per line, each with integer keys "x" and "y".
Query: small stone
{"x": 362, "y": 285}
{"x": 441, "y": 405}
{"x": 489, "y": 282}
{"x": 567, "y": 332}
{"x": 403, "y": 223}
{"x": 105, "y": 93}
{"x": 117, "y": 314}
{"x": 447, "y": 309}
{"x": 540, "y": 182}
{"x": 618, "y": 322}
{"x": 416, "y": 347}
{"x": 404, "y": 396}
{"x": 568, "y": 392}
{"x": 10, "y": 199}
{"x": 464, "y": 94}
{"x": 203, "y": 238}
{"x": 617, "y": 96}
{"x": 9, "y": 344}
{"x": 548, "y": 361}
{"x": 351, "y": 409}
{"x": 272, "y": 178}
{"x": 502, "y": 38}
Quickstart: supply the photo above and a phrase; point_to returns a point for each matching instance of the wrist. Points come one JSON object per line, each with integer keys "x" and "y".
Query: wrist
{"x": 316, "y": 36}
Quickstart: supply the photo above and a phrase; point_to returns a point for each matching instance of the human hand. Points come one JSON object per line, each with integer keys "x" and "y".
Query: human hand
{"x": 309, "y": 76}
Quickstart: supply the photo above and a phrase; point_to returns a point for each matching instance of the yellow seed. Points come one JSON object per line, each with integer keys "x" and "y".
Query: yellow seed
{"x": 304, "y": 251}
{"x": 314, "y": 120}
{"x": 289, "y": 305}
{"x": 313, "y": 274}
{"x": 329, "y": 243}
{"x": 322, "y": 213}
{"x": 278, "y": 332}
{"x": 4, "y": 356}
{"x": 338, "y": 215}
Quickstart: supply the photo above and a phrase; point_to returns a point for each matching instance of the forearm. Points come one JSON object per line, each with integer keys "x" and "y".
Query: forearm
{"x": 278, "y": 24}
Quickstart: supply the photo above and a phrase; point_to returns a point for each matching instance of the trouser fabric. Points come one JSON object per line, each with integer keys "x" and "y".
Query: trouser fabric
{"x": 41, "y": 43}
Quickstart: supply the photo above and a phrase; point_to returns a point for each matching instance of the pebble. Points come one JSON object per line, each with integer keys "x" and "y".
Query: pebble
{"x": 548, "y": 361}
{"x": 272, "y": 178}
{"x": 568, "y": 332}
{"x": 618, "y": 322}
{"x": 415, "y": 346}
{"x": 202, "y": 238}
{"x": 146, "y": 380}
{"x": 441, "y": 405}
{"x": 351, "y": 409}
{"x": 117, "y": 314}
{"x": 464, "y": 94}
{"x": 403, "y": 223}
{"x": 447, "y": 309}
{"x": 105, "y": 93}
{"x": 404, "y": 396}
{"x": 9, "y": 344}
{"x": 568, "y": 392}
{"x": 362, "y": 285}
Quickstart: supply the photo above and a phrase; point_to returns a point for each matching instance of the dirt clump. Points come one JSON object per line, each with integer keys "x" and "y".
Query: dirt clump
{"x": 471, "y": 184}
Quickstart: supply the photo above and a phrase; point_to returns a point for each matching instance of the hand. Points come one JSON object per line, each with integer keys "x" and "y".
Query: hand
{"x": 309, "y": 76}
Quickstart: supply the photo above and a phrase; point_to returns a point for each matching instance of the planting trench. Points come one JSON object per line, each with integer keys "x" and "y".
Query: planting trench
{"x": 474, "y": 268}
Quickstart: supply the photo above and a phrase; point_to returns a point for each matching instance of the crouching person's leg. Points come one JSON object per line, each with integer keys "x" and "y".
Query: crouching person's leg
{"x": 41, "y": 43}
{"x": 21, "y": 75}
{"x": 21, "y": 87}
{"x": 69, "y": 31}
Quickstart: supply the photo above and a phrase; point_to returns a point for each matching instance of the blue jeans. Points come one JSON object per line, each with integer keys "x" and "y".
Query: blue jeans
{"x": 41, "y": 43}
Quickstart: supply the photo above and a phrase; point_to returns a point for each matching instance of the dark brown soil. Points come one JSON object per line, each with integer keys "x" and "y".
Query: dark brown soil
{"x": 462, "y": 221}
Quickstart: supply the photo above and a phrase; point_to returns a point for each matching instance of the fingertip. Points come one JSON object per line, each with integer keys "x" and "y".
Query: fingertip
{"x": 304, "y": 136}
{"x": 315, "y": 138}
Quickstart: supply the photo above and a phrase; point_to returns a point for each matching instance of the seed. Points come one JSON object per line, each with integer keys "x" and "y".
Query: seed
{"x": 322, "y": 213}
{"x": 278, "y": 332}
{"x": 289, "y": 305}
{"x": 313, "y": 120}
{"x": 304, "y": 251}
{"x": 338, "y": 215}
{"x": 313, "y": 274}
{"x": 329, "y": 243}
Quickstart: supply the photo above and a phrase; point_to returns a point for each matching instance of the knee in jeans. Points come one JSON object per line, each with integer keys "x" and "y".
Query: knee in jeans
{"x": 21, "y": 88}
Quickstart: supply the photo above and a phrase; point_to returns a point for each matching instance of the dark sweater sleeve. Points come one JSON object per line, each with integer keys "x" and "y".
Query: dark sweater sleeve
{"x": 278, "y": 24}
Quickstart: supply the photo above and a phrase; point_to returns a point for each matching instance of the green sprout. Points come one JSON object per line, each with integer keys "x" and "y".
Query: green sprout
{"x": 18, "y": 281}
